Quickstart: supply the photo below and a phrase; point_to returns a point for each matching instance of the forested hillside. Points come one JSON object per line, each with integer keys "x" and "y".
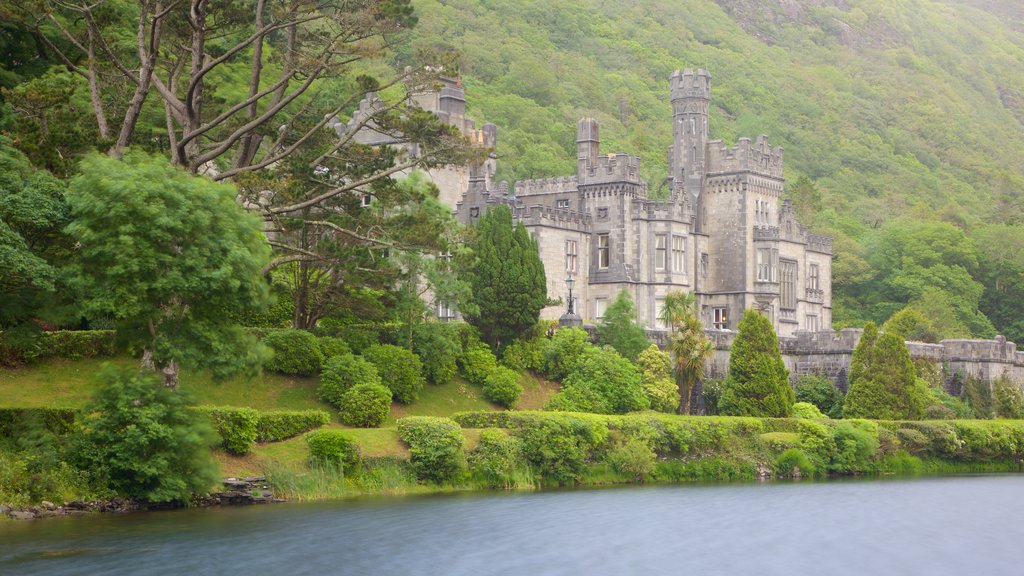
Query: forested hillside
{"x": 903, "y": 122}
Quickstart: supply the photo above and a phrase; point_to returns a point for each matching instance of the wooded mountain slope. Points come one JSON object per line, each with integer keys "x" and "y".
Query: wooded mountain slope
{"x": 894, "y": 114}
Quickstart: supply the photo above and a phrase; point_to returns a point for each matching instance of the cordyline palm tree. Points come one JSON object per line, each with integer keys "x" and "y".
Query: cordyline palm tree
{"x": 689, "y": 346}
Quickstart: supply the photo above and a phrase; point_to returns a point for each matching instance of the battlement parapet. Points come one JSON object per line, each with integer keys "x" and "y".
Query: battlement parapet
{"x": 754, "y": 156}
{"x": 690, "y": 84}
{"x": 557, "y": 185}
{"x": 540, "y": 215}
{"x": 819, "y": 243}
{"x": 766, "y": 233}
{"x": 607, "y": 168}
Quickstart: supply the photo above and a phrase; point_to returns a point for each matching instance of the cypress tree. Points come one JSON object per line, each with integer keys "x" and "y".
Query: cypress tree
{"x": 758, "y": 382}
{"x": 508, "y": 282}
{"x": 883, "y": 383}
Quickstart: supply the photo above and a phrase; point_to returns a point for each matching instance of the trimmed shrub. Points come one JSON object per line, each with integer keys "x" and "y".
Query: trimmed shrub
{"x": 526, "y": 354}
{"x": 333, "y": 448}
{"x": 237, "y": 427}
{"x": 75, "y": 344}
{"x": 793, "y": 462}
{"x": 502, "y": 387}
{"x": 819, "y": 391}
{"x": 883, "y": 382}
{"x": 296, "y": 352}
{"x": 808, "y": 411}
{"x": 280, "y": 425}
{"x": 566, "y": 348}
{"x": 633, "y": 458}
{"x": 478, "y": 362}
{"x": 401, "y": 369}
{"x": 758, "y": 383}
{"x": 365, "y": 405}
{"x": 856, "y": 444}
{"x": 603, "y": 382}
{"x": 436, "y": 448}
{"x": 498, "y": 459}
{"x": 559, "y": 446}
{"x": 341, "y": 373}
{"x": 331, "y": 346}
{"x": 438, "y": 346}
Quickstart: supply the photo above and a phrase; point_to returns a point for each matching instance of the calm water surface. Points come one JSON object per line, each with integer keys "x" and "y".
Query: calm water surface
{"x": 953, "y": 525}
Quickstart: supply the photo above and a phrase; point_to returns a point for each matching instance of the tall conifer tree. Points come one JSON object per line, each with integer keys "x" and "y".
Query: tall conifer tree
{"x": 758, "y": 383}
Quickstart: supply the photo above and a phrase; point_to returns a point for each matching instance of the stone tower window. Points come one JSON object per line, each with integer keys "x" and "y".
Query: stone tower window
{"x": 570, "y": 256}
{"x": 704, "y": 265}
{"x": 721, "y": 318}
{"x": 679, "y": 254}
{"x": 603, "y": 251}
{"x": 787, "y": 288}
{"x": 660, "y": 251}
{"x": 813, "y": 277}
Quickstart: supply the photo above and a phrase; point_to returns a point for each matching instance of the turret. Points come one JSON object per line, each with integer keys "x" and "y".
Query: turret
{"x": 588, "y": 144}
{"x": 691, "y": 94}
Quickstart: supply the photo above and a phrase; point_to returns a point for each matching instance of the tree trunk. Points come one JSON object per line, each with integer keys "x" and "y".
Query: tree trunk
{"x": 170, "y": 374}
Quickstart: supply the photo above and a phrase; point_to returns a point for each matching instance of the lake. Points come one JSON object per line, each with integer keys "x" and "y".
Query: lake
{"x": 932, "y": 526}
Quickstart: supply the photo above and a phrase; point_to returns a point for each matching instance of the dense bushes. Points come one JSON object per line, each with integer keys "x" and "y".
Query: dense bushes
{"x": 69, "y": 344}
{"x": 477, "y": 363}
{"x": 498, "y": 460}
{"x": 241, "y": 428}
{"x": 365, "y": 405}
{"x": 808, "y": 411}
{"x": 295, "y": 352}
{"x": 502, "y": 387}
{"x": 603, "y": 382}
{"x": 401, "y": 370}
{"x": 333, "y": 448}
{"x": 436, "y": 448}
{"x": 655, "y": 375}
{"x": 15, "y": 421}
{"x": 438, "y": 346}
{"x": 331, "y": 346}
{"x": 564, "y": 350}
{"x": 341, "y": 373}
{"x": 277, "y": 425}
{"x": 821, "y": 392}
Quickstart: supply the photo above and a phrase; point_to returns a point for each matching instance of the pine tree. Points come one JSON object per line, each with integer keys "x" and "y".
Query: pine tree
{"x": 883, "y": 384}
{"x": 508, "y": 282}
{"x": 758, "y": 383}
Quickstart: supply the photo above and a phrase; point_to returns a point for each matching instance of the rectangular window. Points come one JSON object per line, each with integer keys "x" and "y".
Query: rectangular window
{"x": 600, "y": 305}
{"x": 704, "y": 265}
{"x": 660, "y": 251}
{"x": 561, "y": 203}
{"x": 812, "y": 323}
{"x": 721, "y": 320}
{"x": 787, "y": 279}
{"x": 659, "y": 313}
{"x": 813, "y": 277}
{"x": 602, "y": 251}
{"x": 765, "y": 270}
{"x": 679, "y": 254}
{"x": 366, "y": 200}
{"x": 445, "y": 312}
{"x": 762, "y": 213}
{"x": 570, "y": 256}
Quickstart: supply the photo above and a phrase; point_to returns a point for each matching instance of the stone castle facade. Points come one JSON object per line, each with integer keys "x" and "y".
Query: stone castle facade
{"x": 724, "y": 233}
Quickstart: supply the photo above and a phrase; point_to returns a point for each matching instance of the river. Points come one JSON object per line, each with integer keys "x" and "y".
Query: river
{"x": 932, "y": 526}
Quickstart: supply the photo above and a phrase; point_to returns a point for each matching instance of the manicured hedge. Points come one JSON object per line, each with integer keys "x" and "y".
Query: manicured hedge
{"x": 333, "y": 447}
{"x": 14, "y": 421}
{"x": 400, "y": 370}
{"x": 341, "y": 373}
{"x": 277, "y": 425}
{"x": 436, "y": 448}
{"x": 240, "y": 428}
{"x": 477, "y": 363}
{"x": 502, "y": 387}
{"x": 295, "y": 352}
{"x": 70, "y": 344}
{"x": 365, "y": 405}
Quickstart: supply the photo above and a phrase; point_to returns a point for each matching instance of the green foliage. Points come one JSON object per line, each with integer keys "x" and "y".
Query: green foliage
{"x": 333, "y": 448}
{"x": 277, "y": 425}
{"x": 15, "y": 421}
{"x": 912, "y": 325}
{"x": 498, "y": 459}
{"x": 633, "y": 458}
{"x": 655, "y": 368}
{"x": 436, "y": 448}
{"x": 821, "y": 392}
{"x": 883, "y": 383}
{"x": 793, "y": 462}
{"x": 856, "y": 444}
{"x": 940, "y": 405}
{"x": 602, "y": 382}
{"x": 807, "y": 411}
{"x": 559, "y": 447}
{"x": 142, "y": 438}
{"x": 1007, "y": 398}
{"x": 502, "y": 387}
{"x": 478, "y": 363}
{"x": 331, "y": 346}
{"x": 403, "y": 373}
{"x": 438, "y": 345}
{"x": 528, "y": 354}
{"x": 711, "y": 390}
{"x": 566, "y": 348}
{"x": 758, "y": 383}
{"x": 341, "y": 373}
{"x": 688, "y": 344}
{"x": 236, "y": 427}
{"x": 978, "y": 395}
{"x": 165, "y": 254}
{"x": 508, "y": 283}
{"x": 365, "y": 405}
{"x": 619, "y": 328}
{"x": 295, "y": 352}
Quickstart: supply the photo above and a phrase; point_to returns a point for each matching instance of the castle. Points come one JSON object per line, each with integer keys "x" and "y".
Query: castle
{"x": 724, "y": 233}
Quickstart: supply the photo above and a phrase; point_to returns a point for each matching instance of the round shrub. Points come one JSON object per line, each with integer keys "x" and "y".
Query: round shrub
{"x": 502, "y": 387}
{"x": 342, "y": 373}
{"x": 807, "y": 411}
{"x": 365, "y": 405}
{"x": 237, "y": 427}
{"x": 332, "y": 447}
{"x": 566, "y": 347}
{"x": 478, "y": 362}
{"x": 498, "y": 459}
{"x": 401, "y": 369}
{"x": 435, "y": 445}
{"x": 331, "y": 346}
{"x": 633, "y": 458}
{"x": 526, "y": 354}
{"x": 295, "y": 352}
{"x": 793, "y": 462}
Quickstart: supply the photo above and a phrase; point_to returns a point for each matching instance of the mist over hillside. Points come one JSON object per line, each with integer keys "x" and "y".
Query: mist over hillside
{"x": 889, "y": 111}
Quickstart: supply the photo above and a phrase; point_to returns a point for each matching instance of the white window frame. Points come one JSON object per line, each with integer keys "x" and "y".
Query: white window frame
{"x": 571, "y": 254}
{"x": 660, "y": 251}
{"x": 600, "y": 307}
{"x": 720, "y": 318}
{"x": 679, "y": 254}
{"x": 603, "y": 251}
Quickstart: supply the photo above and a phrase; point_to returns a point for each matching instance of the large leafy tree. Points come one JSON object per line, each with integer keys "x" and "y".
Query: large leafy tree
{"x": 758, "y": 382}
{"x": 688, "y": 344}
{"x": 168, "y": 256}
{"x": 507, "y": 279}
{"x": 619, "y": 328}
{"x": 883, "y": 383}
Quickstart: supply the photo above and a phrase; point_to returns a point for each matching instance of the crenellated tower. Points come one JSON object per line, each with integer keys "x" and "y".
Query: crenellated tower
{"x": 690, "y": 93}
